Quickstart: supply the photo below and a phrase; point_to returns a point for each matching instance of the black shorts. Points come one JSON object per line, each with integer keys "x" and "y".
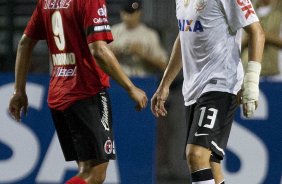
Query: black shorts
{"x": 85, "y": 129}
{"x": 209, "y": 121}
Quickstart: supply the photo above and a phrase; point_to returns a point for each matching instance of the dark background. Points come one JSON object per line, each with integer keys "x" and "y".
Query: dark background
{"x": 14, "y": 15}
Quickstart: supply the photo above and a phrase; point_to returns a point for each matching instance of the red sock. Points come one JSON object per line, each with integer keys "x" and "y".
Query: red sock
{"x": 75, "y": 180}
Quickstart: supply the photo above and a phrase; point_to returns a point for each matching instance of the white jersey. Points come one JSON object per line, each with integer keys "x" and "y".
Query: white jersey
{"x": 210, "y": 39}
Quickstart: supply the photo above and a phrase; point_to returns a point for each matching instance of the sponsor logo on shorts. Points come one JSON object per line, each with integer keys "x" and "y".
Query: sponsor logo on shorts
{"x": 105, "y": 113}
{"x": 108, "y": 147}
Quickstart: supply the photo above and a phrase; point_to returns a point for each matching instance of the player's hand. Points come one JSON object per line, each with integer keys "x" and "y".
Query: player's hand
{"x": 248, "y": 106}
{"x": 18, "y": 105}
{"x": 249, "y": 100}
{"x": 139, "y": 96}
{"x": 251, "y": 88}
{"x": 158, "y": 102}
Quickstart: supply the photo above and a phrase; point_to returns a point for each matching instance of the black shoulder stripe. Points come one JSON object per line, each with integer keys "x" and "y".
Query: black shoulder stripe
{"x": 97, "y": 29}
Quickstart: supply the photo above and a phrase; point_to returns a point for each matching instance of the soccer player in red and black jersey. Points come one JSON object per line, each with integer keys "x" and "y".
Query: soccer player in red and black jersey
{"x": 77, "y": 33}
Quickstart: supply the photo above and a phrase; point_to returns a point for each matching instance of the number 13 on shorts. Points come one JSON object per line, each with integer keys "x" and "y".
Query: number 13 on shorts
{"x": 211, "y": 117}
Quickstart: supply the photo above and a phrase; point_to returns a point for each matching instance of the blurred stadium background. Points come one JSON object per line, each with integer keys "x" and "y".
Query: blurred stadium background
{"x": 14, "y": 14}
{"x": 30, "y": 154}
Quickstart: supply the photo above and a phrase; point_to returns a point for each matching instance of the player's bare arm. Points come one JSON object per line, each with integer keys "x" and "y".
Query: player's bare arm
{"x": 19, "y": 101}
{"x": 256, "y": 41}
{"x": 173, "y": 68}
{"x": 108, "y": 62}
{"x": 251, "y": 80}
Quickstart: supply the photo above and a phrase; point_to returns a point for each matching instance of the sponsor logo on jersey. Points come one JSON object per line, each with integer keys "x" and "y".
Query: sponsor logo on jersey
{"x": 190, "y": 25}
{"x": 108, "y": 147}
{"x": 200, "y": 5}
{"x": 100, "y": 20}
{"x": 64, "y": 72}
{"x": 102, "y": 28}
{"x": 246, "y": 7}
{"x": 105, "y": 113}
{"x": 56, "y": 4}
{"x": 99, "y": 28}
{"x": 102, "y": 11}
{"x": 63, "y": 59}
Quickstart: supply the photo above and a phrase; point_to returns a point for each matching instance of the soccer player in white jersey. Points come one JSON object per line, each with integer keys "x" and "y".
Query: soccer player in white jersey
{"x": 208, "y": 50}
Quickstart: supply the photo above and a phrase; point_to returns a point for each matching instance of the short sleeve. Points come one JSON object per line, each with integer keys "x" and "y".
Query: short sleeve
{"x": 239, "y": 13}
{"x": 95, "y": 20}
{"x": 35, "y": 28}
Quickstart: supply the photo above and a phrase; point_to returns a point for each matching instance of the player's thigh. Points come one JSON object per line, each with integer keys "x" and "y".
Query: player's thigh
{"x": 198, "y": 152}
{"x": 197, "y": 157}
